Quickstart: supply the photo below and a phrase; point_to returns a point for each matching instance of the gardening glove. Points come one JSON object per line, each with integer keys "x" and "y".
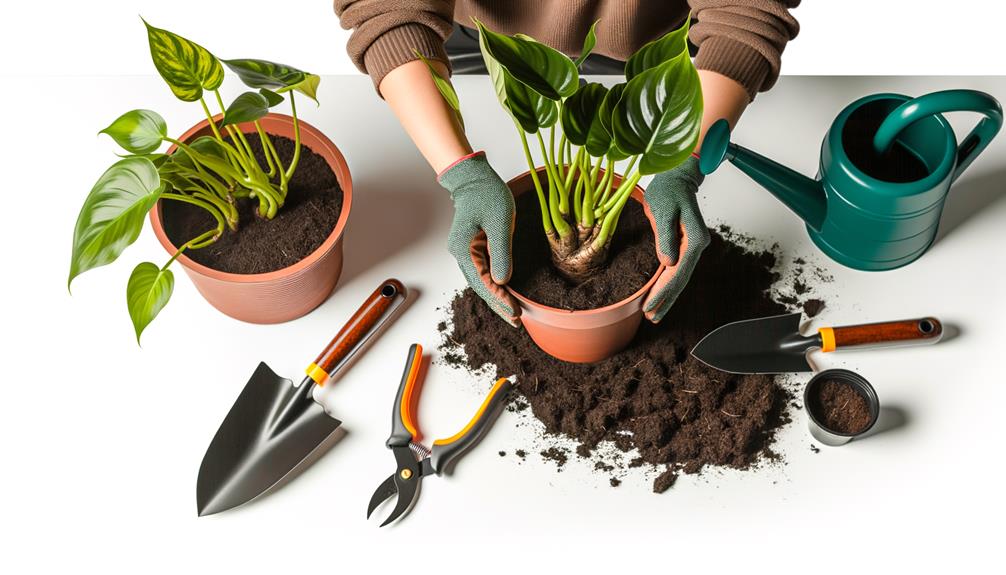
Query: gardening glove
{"x": 481, "y": 235}
{"x": 671, "y": 200}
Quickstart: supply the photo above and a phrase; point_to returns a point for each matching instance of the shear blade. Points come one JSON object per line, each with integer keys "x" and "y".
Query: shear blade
{"x": 384, "y": 492}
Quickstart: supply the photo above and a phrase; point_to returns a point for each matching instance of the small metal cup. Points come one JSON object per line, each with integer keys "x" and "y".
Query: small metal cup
{"x": 817, "y": 428}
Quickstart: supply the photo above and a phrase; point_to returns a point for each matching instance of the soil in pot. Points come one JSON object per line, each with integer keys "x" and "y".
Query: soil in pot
{"x": 653, "y": 396}
{"x": 312, "y": 208}
{"x": 840, "y": 407}
{"x": 632, "y": 261}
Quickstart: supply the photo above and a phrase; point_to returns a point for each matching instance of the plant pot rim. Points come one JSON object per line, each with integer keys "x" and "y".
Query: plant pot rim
{"x": 637, "y": 195}
{"x": 328, "y": 151}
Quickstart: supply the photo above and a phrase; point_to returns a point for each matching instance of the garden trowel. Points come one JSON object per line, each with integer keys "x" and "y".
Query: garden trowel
{"x": 273, "y": 427}
{"x": 775, "y": 345}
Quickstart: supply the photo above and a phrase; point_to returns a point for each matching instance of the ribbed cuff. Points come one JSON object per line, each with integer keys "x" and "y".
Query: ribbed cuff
{"x": 736, "y": 61}
{"x": 395, "y": 47}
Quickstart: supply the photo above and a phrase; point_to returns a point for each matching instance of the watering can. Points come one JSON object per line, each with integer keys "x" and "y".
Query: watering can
{"x": 886, "y": 166}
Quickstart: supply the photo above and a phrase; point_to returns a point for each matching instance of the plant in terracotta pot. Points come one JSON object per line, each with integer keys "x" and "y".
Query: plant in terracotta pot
{"x": 228, "y": 177}
{"x": 588, "y": 134}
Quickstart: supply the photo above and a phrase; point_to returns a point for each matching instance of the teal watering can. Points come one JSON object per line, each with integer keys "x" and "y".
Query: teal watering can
{"x": 887, "y": 164}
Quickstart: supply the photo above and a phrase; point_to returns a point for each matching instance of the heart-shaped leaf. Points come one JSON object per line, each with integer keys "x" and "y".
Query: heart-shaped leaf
{"x": 588, "y": 44}
{"x": 138, "y": 131}
{"x": 112, "y": 215}
{"x": 659, "y": 114}
{"x": 529, "y": 109}
{"x": 247, "y": 107}
{"x": 273, "y": 98}
{"x": 277, "y": 77}
{"x": 599, "y": 139}
{"x": 147, "y": 292}
{"x": 187, "y": 67}
{"x": 548, "y": 72}
{"x": 580, "y": 110}
{"x": 655, "y": 53}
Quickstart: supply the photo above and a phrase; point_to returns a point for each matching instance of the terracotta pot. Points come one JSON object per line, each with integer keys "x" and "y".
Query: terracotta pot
{"x": 291, "y": 292}
{"x": 583, "y": 336}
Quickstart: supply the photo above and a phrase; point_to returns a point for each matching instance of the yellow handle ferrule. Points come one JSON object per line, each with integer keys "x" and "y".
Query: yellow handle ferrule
{"x": 827, "y": 338}
{"x": 317, "y": 374}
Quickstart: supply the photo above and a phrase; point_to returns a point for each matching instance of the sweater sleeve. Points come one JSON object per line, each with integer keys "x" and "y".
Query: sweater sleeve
{"x": 386, "y": 32}
{"x": 743, "y": 39}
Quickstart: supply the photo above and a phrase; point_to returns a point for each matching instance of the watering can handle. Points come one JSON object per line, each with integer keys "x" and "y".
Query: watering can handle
{"x": 939, "y": 103}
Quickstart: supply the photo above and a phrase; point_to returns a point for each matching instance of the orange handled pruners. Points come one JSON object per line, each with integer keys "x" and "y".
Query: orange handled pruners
{"x": 415, "y": 460}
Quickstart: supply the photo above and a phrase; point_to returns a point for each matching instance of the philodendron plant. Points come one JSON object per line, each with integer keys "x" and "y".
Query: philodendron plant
{"x": 211, "y": 172}
{"x": 647, "y": 124}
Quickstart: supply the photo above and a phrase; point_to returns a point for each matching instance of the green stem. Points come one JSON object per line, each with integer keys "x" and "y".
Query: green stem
{"x": 267, "y": 150}
{"x": 200, "y": 241}
{"x": 610, "y": 203}
{"x": 611, "y": 218}
{"x": 606, "y": 183}
{"x": 221, "y": 224}
{"x": 296, "y": 144}
{"x": 562, "y": 159}
{"x": 554, "y": 194}
{"x": 574, "y": 167}
{"x": 209, "y": 116}
{"x": 588, "y": 196}
{"x": 546, "y": 221}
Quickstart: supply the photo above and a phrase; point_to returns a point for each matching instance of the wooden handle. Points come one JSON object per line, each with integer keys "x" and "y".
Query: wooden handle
{"x": 358, "y": 330}
{"x": 923, "y": 330}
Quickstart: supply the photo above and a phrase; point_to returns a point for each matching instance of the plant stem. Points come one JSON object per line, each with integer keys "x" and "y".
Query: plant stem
{"x": 296, "y": 145}
{"x": 574, "y": 167}
{"x": 209, "y": 117}
{"x": 610, "y": 203}
{"x": 561, "y": 226}
{"x": 200, "y": 241}
{"x": 268, "y": 150}
{"x": 611, "y": 217}
{"x": 546, "y": 221}
{"x": 221, "y": 225}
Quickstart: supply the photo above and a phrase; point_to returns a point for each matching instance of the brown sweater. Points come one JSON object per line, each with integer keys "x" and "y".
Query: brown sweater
{"x": 741, "y": 39}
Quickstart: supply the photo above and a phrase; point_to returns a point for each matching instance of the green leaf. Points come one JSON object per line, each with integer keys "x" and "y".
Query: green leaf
{"x": 588, "y": 44}
{"x": 581, "y": 110}
{"x": 247, "y": 107}
{"x": 443, "y": 86}
{"x": 659, "y": 114}
{"x": 530, "y": 110}
{"x": 546, "y": 71}
{"x": 273, "y": 98}
{"x": 112, "y": 215}
{"x": 277, "y": 77}
{"x": 138, "y": 131}
{"x": 147, "y": 292}
{"x": 655, "y": 53}
{"x": 187, "y": 67}
{"x": 599, "y": 140}
{"x": 158, "y": 158}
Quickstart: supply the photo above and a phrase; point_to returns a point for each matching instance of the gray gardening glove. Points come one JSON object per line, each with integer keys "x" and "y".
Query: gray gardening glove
{"x": 481, "y": 236}
{"x": 670, "y": 197}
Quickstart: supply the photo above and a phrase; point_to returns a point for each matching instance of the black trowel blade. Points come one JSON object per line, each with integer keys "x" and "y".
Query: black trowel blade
{"x": 272, "y": 428}
{"x": 764, "y": 345}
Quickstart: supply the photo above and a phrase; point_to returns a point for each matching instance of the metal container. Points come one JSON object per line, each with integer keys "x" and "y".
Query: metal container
{"x": 817, "y": 428}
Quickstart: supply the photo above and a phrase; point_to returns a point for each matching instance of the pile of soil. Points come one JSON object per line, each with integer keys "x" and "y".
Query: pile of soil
{"x": 633, "y": 261}
{"x": 840, "y": 407}
{"x": 311, "y": 210}
{"x": 654, "y": 396}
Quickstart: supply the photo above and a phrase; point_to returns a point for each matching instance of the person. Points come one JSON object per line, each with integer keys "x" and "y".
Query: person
{"x": 737, "y": 45}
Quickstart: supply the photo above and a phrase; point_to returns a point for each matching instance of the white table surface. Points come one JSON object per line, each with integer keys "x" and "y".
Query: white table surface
{"x": 102, "y": 440}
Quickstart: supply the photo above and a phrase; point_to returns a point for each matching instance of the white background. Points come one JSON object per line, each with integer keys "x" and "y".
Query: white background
{"x": 102, "y": 440}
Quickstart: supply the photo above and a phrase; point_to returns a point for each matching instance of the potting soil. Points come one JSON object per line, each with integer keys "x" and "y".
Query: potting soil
{"x": 260, "y": 245}
{"x": 654, "y": 396}
{"x": 840, "y": 407}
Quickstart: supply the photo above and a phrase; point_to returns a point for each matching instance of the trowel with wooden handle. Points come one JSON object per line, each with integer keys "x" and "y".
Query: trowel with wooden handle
{"x": 274, "y": 427}
{"x": 775, "y": 345}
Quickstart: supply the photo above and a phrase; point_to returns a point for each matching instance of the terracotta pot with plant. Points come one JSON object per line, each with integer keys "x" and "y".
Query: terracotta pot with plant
{"x": 645, "y": 125}
{"x": 230, "y": 173}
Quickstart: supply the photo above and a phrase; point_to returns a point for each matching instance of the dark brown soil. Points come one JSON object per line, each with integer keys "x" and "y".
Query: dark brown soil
{"x": 812, "y": 307}
{"x": 632, "y": 261}
{"x": 312, "y": 208}
{"x": 840, "y": 407}
{"x": 653, "y": 396}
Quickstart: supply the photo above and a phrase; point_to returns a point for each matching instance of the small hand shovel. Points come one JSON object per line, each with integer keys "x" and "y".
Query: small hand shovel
{"x": 274, "y": 427}
{"x": 775, "y": 345}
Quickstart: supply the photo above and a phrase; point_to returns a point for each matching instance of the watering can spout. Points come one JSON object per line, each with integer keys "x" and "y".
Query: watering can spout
{"x": 805, "y": 196}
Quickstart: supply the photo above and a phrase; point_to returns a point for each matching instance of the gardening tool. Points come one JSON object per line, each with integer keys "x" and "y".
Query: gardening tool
{"x": 415, "y": 460}
{"x": 886, "y": 166}
{"x": 818, "y": 429}
{"x": 274, "y": 427}
{"x": 774, "y": 344}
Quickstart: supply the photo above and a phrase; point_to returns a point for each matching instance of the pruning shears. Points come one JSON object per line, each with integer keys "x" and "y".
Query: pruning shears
{"x": 413, "y": 459}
